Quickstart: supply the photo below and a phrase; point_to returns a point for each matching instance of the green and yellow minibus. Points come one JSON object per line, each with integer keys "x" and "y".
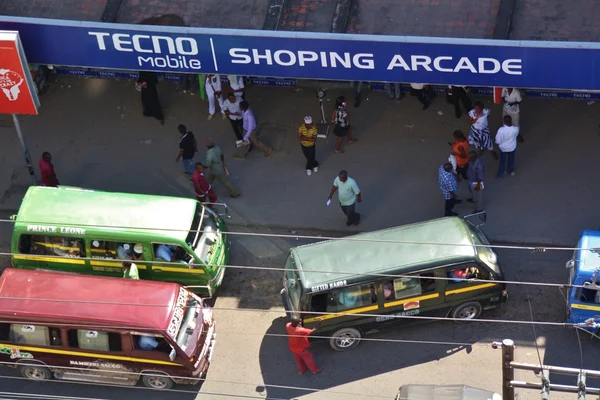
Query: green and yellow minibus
{"x": 85, "y": 231}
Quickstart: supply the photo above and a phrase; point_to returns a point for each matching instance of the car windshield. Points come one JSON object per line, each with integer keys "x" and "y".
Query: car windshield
{"x": 204, "y": 233}
{"x": 188, "y": 326}
{"x": 485, "y": 254}
{"x": 292, "y": 284}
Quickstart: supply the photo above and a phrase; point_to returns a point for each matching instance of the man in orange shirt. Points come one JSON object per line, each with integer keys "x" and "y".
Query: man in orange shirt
{"x": 460, "y": 150}
{"x": 299, "y": 345}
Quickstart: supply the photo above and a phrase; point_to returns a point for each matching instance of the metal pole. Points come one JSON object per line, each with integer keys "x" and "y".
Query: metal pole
{"x": 508, "y": 373}
{"x": 25, "y": 149}
{"x": 581, "y": 386}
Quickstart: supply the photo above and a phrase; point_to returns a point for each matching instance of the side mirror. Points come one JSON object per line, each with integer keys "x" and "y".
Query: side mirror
{"x": 172, "y": 354}
{"x": 570, "y": 264}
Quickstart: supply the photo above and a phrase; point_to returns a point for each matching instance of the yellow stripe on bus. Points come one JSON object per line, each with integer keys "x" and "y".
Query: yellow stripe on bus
{"x": 116, "y": 264}
{"x": 92, "y": 355}
{"x": 64, "y": 260}
{"x": 470, "y": 288}
{"x": 585, "y": 307}
{"x": 404, "y": 301}
{"x": 185, "y": 270}
{"x": 342, "y": 314}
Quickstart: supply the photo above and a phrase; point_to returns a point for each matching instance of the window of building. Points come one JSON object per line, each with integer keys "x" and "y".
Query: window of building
{"x": 402, "y": 288}
{"x": 94, "y": 340}
{"x": 115, "y": 250}
{"x": 352, "y": 297}
{"x": 52, "y": 246}
{"x": 36, "y": 335}
{"x": 463, "y": 273}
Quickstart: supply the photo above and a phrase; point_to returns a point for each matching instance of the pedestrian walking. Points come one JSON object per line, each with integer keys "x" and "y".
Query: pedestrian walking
{"x": 479, "y": 135}
{"x": 214, "y": 92}
{"x": 251, "y": 134}
{"x": 47, "y": 170}
{"x": 512, "y": 99}
{"x": 460, "y": 150}
{"x": 130, "y": 270}
{"x": 187, "y": 148}
{"x": 204, "y": 192}
{"x": 457, "y": 95}
{"x": 231, "y": 105}
{"x": 393, "y": 90}
{"x": 151, "y": 107}
{"x": 506, "y": 139}
{"x": 341, "y": 124}
{"x": 356, "y": 86}
{"x": 298, "y": 344}
{"x": 307, "y": 135}
{"x": 448, "y": 187}
{"x": 217, "y": 169}
{"x": 236, "y": 82}
{"x": 348, "y": 195}
{"x": 475, "y": 174}
{"x": 419, "y": 90}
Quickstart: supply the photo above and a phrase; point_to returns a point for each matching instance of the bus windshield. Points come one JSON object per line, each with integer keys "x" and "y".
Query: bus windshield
{"x": 204, "y": 233}
{"x": 188, "y": 326}
{"x": 292, "y": 284}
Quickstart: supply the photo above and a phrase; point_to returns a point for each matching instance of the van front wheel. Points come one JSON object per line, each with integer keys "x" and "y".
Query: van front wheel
{"x": 345, "y": 339}
{"x": 470, "y": 310}
{"x": 156, "y": 381}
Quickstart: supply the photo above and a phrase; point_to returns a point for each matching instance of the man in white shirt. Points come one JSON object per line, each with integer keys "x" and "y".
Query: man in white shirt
{"x": 232, "y": 109}
{"x": 421, "y": 92}
{"x": 214, "y": 91}
{"x": 348, "y": 194}
{"x": 236, "y": 82}
{"x": 506, "y": 139}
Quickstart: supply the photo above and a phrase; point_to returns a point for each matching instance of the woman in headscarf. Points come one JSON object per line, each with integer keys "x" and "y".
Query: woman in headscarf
{"x": 147, "y": 82}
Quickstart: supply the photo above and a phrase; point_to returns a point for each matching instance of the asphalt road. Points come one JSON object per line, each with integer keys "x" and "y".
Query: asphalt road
{"x": 247, "y": 364}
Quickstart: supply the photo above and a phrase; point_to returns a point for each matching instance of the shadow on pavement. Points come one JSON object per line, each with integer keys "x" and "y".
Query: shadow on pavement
{"x": 11, "y": 381}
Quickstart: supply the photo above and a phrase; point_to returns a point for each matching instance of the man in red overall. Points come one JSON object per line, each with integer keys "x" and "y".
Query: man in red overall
{"x": 204, "y": 192}
{"x": 299, "y": 345}
{"x": 47, "y": 170}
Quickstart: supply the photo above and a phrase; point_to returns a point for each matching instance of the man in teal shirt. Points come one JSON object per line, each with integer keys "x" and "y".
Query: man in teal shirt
{"x": 348, "y": 195}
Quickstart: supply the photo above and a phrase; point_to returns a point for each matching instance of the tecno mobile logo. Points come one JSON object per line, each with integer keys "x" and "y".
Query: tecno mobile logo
{"x": 9, "y": 83}
{"x": 159, "y": 51}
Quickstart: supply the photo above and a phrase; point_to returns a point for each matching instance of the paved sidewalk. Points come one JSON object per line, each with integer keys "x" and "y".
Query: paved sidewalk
{"x": 95, "y": 131}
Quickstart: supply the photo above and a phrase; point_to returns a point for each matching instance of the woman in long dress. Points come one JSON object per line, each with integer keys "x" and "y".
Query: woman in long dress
{"x": 512, "y": 99}
{"x": 150, "y": 103}
{"x": 479, "y": 135}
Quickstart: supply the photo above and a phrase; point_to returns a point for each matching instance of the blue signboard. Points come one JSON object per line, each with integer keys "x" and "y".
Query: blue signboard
{"x": 473, "y": 62}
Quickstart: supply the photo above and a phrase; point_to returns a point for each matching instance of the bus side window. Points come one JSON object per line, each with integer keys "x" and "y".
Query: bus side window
{"x": 462, "y": 273}
{"x": 352, "y": 297}
{"x": 590, "y": 296}
{"x": 111, "y": 250}
{"x": 318, "y": 302}
{"x": 94, "y": 340}
{"x": 408, "y": 287}
{"x": 52, "y": 246}
{"x": 34, "y": 335}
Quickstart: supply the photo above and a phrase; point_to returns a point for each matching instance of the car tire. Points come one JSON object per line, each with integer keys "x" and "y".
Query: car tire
{"x": 35, "y": 372}
{"x": 157, "y": 381}
{"x": 470, "y": 310}
{"x": 345, "y": 339}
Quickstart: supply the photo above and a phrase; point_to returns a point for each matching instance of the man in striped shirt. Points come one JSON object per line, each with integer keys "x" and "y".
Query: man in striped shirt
{"x": 307, "y": 135}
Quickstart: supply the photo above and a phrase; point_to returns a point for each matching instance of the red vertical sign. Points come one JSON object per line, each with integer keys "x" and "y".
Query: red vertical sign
{"x": 18, "y": 94}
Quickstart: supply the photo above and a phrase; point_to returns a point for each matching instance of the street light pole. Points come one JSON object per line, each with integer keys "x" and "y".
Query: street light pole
{"x": 24, "y": 149}
{"x": 508, "y": 373}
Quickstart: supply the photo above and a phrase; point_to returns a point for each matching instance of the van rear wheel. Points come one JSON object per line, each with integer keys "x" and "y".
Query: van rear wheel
{"x": 35, "y": 372}
{"x": 470, "y": 310}
{"x": 157, "y": 381}
{"x": 344, "y": 339}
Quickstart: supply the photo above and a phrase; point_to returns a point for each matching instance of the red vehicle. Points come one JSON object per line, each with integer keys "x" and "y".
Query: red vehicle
{"x": 104, "y": 330}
